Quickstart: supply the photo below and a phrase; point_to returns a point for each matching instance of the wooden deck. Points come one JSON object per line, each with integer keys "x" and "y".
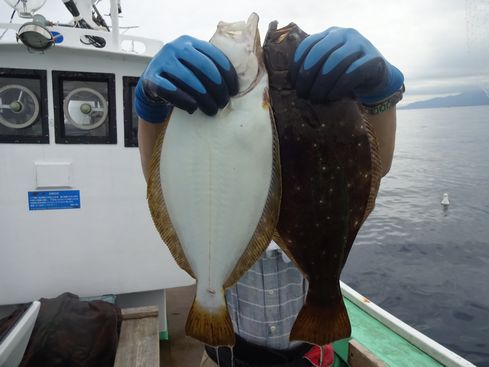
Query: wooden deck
{"x": 139, "y": 344}
{"x": 138, "y": 339}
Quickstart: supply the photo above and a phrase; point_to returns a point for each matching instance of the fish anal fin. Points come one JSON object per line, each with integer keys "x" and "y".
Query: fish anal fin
{"x": 321, "y": 325}
{"x": 210, "y": 327}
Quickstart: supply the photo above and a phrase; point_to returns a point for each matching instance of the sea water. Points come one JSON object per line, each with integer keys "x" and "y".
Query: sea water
{"x": 425, "y": 263}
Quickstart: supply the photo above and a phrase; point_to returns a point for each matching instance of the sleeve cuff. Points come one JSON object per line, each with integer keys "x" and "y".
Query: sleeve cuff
{"x": 148, "y": 110}
{"x": 386, "y": 104}
{"x": 151, "y": 112}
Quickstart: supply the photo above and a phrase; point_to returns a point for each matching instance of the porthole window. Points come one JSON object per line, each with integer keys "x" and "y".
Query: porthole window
{"x": 130, "y": 115}
{"x": 23, "y": 106}
{"x": 84, "y": 108}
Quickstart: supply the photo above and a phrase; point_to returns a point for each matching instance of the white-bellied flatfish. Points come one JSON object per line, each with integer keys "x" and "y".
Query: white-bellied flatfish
{"x": 330, "y": 178}
{"x": 214, "y": 187}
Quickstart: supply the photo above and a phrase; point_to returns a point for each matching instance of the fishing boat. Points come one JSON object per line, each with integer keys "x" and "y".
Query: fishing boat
{"x": 74, "y": 215}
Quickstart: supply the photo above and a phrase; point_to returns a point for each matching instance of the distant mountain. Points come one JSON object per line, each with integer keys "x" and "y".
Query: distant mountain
{"x": 472, "y": 98}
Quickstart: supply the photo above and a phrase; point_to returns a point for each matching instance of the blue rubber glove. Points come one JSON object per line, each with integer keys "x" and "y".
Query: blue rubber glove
{"x": 189, "y": 74}
{"x": 340, "y": 62}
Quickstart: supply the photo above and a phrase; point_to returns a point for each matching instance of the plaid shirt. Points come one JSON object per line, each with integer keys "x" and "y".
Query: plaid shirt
{"x": 265, "y": 302}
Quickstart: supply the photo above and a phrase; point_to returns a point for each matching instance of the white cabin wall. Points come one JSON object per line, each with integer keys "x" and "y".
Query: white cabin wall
{"x": 109, "y": 245}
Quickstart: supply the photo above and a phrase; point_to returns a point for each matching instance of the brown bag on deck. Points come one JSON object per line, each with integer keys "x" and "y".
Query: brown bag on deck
{"x": 70, "y": 332}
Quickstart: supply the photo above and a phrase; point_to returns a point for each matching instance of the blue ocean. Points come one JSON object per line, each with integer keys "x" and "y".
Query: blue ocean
{"x": 425, "y": 263}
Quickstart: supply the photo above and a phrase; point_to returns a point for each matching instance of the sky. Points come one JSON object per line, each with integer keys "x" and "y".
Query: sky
{"x": 441, "y": 46}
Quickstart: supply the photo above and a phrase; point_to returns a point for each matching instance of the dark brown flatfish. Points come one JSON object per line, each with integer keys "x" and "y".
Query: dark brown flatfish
{"x": 330, "y": 177}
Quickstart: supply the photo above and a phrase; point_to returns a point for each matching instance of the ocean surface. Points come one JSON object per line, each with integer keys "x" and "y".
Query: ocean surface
{"x": 427, "y": 265}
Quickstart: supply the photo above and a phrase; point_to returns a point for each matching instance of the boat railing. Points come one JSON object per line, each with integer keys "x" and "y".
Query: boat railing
{"x": 416, "y": 338}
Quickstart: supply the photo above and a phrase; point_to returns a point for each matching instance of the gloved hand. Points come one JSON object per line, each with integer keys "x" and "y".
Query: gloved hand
{"x": 189, "y": 74}
{"x": 340, "y": 62}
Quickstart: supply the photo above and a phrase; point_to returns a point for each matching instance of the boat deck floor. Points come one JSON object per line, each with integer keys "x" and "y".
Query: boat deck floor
{"x": 179, "y": 350}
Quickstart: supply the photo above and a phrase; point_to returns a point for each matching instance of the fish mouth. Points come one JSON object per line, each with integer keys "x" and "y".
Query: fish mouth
{"x": 240, "y": 42}
{"x": 241, "y": 30}
{"x": 278, "y": 35}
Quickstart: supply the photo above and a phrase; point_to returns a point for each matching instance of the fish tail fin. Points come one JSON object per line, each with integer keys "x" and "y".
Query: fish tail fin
{"x": 321, "y": 325}
{"x": 210, "y": 326}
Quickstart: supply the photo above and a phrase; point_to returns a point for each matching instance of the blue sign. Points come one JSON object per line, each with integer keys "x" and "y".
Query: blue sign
{"x": 45, "y": 200}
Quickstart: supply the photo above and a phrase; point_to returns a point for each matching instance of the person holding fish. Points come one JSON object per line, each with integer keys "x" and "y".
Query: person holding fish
{"x": 338, "y": 64}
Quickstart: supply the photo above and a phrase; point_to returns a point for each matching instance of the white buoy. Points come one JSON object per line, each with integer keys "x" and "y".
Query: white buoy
{"x": 445, "y": 201}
